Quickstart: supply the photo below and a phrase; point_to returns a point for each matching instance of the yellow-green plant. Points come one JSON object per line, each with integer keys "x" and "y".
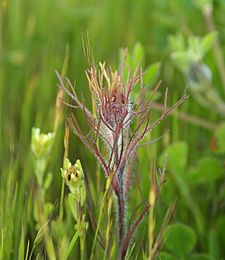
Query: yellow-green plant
{"x": 41, "y": 145}
{"x": 73, "y": 176}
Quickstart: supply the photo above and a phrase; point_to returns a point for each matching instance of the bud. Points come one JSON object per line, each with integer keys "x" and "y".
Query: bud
{"x": 41, "y": 143}
{"x": 73, "y": 176}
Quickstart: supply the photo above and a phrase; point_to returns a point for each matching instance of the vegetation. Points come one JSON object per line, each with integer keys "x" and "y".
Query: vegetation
{"x": 163, "y": 197}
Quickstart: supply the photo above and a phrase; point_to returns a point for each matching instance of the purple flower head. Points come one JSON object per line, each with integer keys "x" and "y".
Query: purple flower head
{"x": 120, "y": 121}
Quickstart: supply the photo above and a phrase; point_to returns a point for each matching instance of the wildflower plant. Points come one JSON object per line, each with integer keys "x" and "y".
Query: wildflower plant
{"x": 73, "y": 176}
{"x": 41, "y": 146}
{"x": 121, "y": 123}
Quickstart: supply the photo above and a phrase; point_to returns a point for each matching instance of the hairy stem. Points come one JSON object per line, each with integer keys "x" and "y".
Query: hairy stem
{"x": 120, "y": 197}
{"x": 121, "y": 213}
{"x": 121, "y": 221}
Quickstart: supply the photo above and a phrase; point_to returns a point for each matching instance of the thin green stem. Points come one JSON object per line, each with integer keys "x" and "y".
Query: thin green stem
{"x": 151, "y": 222}
{"x": 98, "y": 224}
{"x": 71, "y": 245}
{"x": 109, "y": 226}
{"x": 82, "y": 240}
{"x": 27, "y": 251}
{"x": 61, "y": 201}
{"x": 197, "y": 121}
{"x": 98, "y": 167}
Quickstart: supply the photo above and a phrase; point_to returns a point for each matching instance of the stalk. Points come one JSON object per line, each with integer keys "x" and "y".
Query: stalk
{"x": 109, "y": 226}
{"x": 66, "y": 147}
{"x": 151, "y": 222}
{"x": 121, "y": 201}
{"x": 82, "y": 241}
{"x": 108, "y": 183}
{"x": 42, "y": 221}
{"x": 121, "y": 220}
{"x": 71, "y": 245}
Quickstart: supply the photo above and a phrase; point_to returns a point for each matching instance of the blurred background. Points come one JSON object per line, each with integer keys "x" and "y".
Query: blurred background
{"x": 180, "y": 42}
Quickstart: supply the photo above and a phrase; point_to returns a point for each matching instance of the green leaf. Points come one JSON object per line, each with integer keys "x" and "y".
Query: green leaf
{"x": 82, "y": 194}
{"x": 214, "y": 249}
{"x": 151, "y": 74}
{"x": 200, "y": 257}
{"x": 177, "y": 42}
{"x": 22, "y": 245}
{"x": 208, "y": 170}
{"x": 181, "y": 239}
{"x": 48, "y": 207}
{"x": 176, "y": 163}
{"x": 71, "y": 245}
{"x": 207, "y": 42}
{"x": 138, "y": 55}
{"x": 128, "y": 62}
{"x": 73, "y": 206}
{"x": 48, "y": 181}
{"x": 177, "y": 157}
{"x": 144, "y": 255}
{"x": 166, "y": 256}
{"x": 194, "y": 47}
{"x": 220, "y": 227}
{"x": 183, "y": 60}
